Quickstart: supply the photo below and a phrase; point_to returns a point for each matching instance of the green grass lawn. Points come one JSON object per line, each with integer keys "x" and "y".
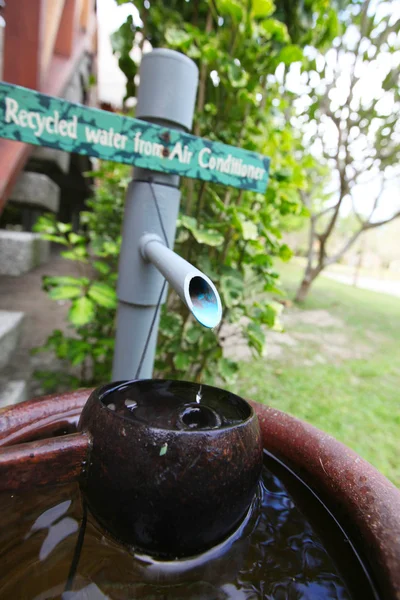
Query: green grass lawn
{"x": 354, "y": 397}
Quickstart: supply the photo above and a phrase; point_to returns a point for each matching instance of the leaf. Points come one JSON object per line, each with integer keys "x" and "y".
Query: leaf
{"x": 111, "y": 248}
{"x": 216, "y": 200}
{"x": 262, "y": 260}
{"x": 103, "y": 294}
{"x": 285, "y": 253}
{"x": 76, "y": 239}
{"x": 65, "y": 292}
{"x": 81, "y": 312}
{"x": 272, "y": 289}
{"x": 230, "y": 7}
{"x": 193, "y": 334}
{"x": 188, "y": 222}
{"x": 46, "y": 224}
{"x": 163, "y": 449}
{"x": 177, "y": 37}
{"x": 290, "y": 54}
{"x": 65, "y": 280}
{"x": 266, "y": 314}
{"x": 170, "y": 324}
{"x": 209, "y": 237}
{"x": 227, "y": 369}
{"x": 209, "y": 53}
{"x": 182, "y": 361}
{"x": 193, "y": 51}
{"x": 237, "y": 76}
{"x": 275, "y": 30}
{"x": 101, "y": 267}
{"x": 54, "y": 238}
{"x": 79, "y": 357}
{"x": 256, "y": 337}
{"x": 249, "y": 229}
{"x": 231, "y": 288}
{"x": 78, "y": 253}
{"x": 64, "y": 227}
{"x": 262, "y": 8}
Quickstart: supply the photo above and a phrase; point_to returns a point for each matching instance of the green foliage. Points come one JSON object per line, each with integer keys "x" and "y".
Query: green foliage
{"x": 88, "y": 344}
{"x": 231, "y": 235}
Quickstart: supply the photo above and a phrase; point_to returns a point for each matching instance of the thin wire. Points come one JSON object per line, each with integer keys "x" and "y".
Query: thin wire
{"x": 158, "y": 213}
{"x": 77, "y": 551}
{"x": 151, "y": 328}
{"x": 150, "y": 331}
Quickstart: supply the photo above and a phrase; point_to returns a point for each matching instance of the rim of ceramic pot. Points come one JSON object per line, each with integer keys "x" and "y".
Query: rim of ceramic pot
{"x": 361, "y": 497}
{"x": 101, "y": 393}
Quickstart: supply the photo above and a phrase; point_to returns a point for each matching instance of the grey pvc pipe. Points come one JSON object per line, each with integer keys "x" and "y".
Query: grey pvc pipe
{"x": 133, "y": 325}
{"x": 194, "y": 288}
{"x": 167, "y": 90}
{"x": 166, "y": 95}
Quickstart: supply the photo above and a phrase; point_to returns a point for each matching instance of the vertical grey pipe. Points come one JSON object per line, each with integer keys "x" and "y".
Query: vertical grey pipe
{"x": 167, "y": 94}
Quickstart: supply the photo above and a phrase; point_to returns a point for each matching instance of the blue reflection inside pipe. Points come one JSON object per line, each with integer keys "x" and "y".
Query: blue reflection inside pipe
{"x": 205, "y": 304}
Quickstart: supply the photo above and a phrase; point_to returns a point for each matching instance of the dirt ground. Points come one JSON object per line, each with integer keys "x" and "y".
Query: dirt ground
{"x": 322, "y": 332}
{"x": 42, "y": 316}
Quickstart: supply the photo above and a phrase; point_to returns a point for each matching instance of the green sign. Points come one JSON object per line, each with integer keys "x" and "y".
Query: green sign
{"x": 33, "y": 118}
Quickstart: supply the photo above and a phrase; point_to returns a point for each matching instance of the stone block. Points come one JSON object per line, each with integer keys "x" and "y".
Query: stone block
{"x": 36, "y": 191}
{"x": 10, "y": 333}
{"x": 21, "y": 251}
{"x": 51, "y": 156}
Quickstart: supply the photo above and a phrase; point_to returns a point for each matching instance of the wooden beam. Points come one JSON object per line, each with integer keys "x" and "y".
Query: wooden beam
{"x": 23, "y": 42}
{"x": 67, "y": 29}
{"x": 53, "y": 14}
{"x": 45, "y": 462}
{"x": 61, "y": 68}
{"x": 87, "y": 9}
{"x": 13, "y": 155}
{"x": 22, "y": 57}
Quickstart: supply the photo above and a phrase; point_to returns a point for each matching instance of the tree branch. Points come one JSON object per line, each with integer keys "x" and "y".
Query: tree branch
{"x": 356, "y": 214}
{"x": 325, "y": 235}
{"x": 356, "y": 235}
{"x": 311, "y": 237}
{"x": 334, "y": 259}
{"x": 376, "y": 202}
{"x": 379, "y": 223}
{"x": 323, "y": 212}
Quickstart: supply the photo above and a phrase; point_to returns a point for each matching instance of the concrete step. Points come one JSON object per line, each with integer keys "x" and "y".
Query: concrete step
{"x": 21, "y": 251}
{"x": 13, "y": 392}
{"x": 36, "y": 191}
{"x": 10, "y": 332}
{"x": 49, "y": 158}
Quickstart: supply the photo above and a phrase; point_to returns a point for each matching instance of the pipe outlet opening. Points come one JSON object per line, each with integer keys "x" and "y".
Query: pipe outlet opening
{"x": 204, "y": 302}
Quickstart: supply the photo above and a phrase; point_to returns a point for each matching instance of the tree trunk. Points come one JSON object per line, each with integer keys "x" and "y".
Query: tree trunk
{"x": 306, "y": 284}
{"x": 310, "y": 273}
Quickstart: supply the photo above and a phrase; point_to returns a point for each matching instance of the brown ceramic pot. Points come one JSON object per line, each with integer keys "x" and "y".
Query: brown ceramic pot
{"x": 365, "y": 501}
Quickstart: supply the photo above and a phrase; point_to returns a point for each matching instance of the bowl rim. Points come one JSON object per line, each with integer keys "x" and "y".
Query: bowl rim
{"x": 103, "y": 391}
